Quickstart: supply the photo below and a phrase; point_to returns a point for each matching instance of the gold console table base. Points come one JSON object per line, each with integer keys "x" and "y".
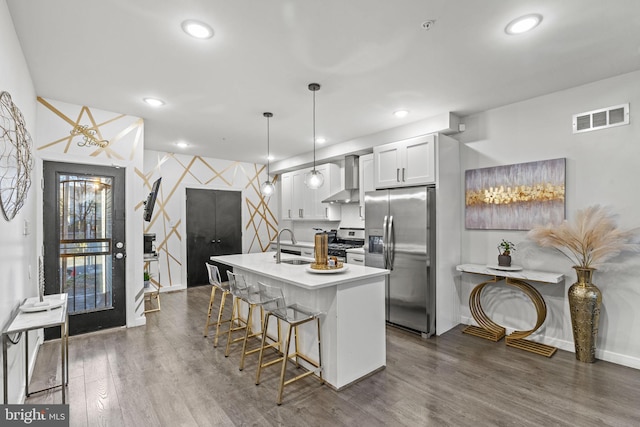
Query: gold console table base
{"x": 483, "y": 333}
{"x": 490, "y": 330}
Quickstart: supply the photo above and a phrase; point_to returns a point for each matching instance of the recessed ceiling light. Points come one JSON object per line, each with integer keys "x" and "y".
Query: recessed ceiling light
{"x": 320, "y": 140}
{"x": 182, "y": 144}
{"x": 154, "y": 102}
{"x": 401, "y": 113}
{"x": 523, "y": 24}
{"x": 197, "y": 29}
{"x": 270, "y": 157}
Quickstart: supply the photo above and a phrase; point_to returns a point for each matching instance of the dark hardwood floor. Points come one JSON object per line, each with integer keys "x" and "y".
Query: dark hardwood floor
{"x": 167, "y": 374}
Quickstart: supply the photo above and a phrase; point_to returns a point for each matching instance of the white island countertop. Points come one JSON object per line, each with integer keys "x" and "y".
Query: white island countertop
{"x": 264, "y": 264}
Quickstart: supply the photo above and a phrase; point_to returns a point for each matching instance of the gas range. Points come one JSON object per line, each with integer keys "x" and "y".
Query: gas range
{"x": 346, "y": 238}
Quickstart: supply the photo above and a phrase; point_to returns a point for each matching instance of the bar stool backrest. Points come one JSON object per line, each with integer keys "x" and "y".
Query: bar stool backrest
{"x": 214, "y": 275}
{"x": 272, "y": 299}
{"x": 238, "y": 285}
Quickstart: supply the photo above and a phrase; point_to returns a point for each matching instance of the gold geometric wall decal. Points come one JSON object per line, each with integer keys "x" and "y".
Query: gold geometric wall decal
{"x": 179, "y": 171}
{"x": 68, "y": 130}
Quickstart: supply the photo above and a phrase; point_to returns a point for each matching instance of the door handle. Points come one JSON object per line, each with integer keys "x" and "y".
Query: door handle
{"x": 398, "y": 174}
{"x": 403, "y": 175}
{"x": 391, "y": 249}
{"x": 384, "y": 242}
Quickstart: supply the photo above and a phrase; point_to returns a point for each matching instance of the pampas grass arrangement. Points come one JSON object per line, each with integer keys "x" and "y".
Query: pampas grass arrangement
{"x": 590, "y": 240}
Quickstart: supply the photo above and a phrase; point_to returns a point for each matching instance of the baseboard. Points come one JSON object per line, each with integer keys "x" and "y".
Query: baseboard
{"x": 139, "y": 321}
{"x": 172, "y": 288}
{"x": 605, "y": 355}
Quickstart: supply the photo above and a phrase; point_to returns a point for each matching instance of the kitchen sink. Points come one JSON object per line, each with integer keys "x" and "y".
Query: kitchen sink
{"x": 296, "y": 261}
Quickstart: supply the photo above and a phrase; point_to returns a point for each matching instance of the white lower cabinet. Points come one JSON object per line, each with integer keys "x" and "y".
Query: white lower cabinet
{"x": 353, "y": 258}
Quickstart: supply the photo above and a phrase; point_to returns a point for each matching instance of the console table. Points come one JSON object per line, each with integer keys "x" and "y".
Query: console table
{"x": 153, "y": 291}
{"x": 490, "y": 330}
{"x": 25, "y": 322}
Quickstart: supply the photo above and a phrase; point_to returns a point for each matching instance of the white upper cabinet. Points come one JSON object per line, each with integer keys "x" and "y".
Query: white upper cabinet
{"x": 286, "y": 200}
{"x": 302, "y": 203}
{"x": 366, "y": 178}
{"x": 405, "y": 163}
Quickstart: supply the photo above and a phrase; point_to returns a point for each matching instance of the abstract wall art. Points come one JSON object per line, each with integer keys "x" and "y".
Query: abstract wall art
{"x": 515, "y": 197}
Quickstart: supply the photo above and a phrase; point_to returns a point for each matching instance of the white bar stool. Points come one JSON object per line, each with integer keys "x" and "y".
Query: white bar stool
{"x": 294, "y": 315}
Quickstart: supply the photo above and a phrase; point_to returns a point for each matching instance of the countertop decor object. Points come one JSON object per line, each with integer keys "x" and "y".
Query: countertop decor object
{"x": 589, "y": 241}
{"x": 327, "y": 270}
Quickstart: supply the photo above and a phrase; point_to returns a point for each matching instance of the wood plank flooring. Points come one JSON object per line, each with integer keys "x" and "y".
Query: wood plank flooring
{"x": 167, "y": 374}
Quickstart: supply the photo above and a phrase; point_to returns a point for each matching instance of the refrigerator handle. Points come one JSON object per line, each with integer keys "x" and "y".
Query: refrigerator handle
{"x": 391, "y": 249}
{"x": 384, "y": 242}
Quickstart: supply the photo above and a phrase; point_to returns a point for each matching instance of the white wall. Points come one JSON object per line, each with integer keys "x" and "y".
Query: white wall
{"x": 181, "y": 171}
{"x": 18, "y": 253}
{"x": 602, "y": 168}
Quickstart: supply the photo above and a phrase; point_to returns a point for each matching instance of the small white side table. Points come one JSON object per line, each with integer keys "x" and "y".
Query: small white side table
{"x": 25, "y": 322}
{"x": 492, "y": 331}
{"x": 153, "y": 292}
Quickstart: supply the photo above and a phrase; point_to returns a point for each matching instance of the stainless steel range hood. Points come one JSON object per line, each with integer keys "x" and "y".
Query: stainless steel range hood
{"x": 350, "y": 194}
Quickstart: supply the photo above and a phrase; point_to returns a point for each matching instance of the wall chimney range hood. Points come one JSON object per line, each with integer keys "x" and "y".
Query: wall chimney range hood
{"x": 350, "y": 194}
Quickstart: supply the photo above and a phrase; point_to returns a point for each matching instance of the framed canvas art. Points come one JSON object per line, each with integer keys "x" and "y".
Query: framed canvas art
{"x": 515, "y": 197}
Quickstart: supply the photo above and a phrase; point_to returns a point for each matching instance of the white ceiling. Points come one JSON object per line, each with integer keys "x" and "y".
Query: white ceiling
{"x": 371, "y": 57}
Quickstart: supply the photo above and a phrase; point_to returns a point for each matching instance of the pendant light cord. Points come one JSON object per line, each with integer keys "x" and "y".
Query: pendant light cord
{"x": 314, "y": 130}
{"x": 268, "y": 148}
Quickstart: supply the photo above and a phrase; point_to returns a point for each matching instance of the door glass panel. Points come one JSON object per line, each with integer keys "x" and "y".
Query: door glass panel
{"x": 85, "y": 215}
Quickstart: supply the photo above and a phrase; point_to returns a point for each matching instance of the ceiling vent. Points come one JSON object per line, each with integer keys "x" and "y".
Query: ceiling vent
{"x": 601, "y": 119}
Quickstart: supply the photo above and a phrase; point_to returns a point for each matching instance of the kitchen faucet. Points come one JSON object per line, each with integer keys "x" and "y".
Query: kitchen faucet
{"x": 293, "y": 240}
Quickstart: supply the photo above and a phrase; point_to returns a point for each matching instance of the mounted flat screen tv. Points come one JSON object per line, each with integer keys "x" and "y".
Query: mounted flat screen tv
{"x": 151, "y": 200}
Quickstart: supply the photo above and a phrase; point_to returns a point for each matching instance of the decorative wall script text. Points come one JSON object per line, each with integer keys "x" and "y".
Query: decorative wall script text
{"x": 88, "y": 136}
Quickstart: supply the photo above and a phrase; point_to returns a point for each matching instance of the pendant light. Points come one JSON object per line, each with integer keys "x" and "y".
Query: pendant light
{"x": 314, "y": 179}
{"x": 267, "y": 188}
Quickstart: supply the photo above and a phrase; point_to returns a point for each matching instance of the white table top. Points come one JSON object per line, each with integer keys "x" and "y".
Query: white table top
{"x": 39, "y": 319}
{"x": 533, "y": 275}
{"x": 263, "y": 263}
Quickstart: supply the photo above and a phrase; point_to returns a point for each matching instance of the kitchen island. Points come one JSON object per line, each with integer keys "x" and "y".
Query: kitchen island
{"x": 353, "y": 300}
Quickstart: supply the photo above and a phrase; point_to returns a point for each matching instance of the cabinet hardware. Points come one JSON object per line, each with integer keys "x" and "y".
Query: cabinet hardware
{"x": 403, "y": 175}
{"x": 398, "y": 174}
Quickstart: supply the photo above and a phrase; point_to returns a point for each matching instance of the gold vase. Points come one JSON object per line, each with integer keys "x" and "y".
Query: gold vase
{"x": 584, "y": 303}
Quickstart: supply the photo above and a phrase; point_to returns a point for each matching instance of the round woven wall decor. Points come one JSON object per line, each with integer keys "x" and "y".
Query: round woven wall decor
{"x": 16, "y": 161}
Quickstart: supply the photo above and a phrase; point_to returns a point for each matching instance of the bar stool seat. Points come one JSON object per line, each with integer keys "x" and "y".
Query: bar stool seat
{"x": 294, "y": 315}
{"x": 217, "y": 285}
{"x": 250, "y": 295}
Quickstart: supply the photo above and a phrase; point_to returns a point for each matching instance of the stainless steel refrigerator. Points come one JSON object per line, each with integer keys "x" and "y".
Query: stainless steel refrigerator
{"x": 400, "y": 236}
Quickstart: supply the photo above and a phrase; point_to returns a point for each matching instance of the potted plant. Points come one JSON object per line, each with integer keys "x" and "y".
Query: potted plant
{"x": 147, "y": 278}
{"x": 504, "y": 250}
{"x": 590, "y": 240}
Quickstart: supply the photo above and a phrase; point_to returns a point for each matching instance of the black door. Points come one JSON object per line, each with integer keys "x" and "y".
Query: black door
{"x": 214, "y": 227}
{"x": 84, "y": 241}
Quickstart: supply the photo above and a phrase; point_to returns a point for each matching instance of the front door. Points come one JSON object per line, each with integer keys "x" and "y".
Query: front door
{"x": 214, "y": 227}
{"x": 84, "y": 230}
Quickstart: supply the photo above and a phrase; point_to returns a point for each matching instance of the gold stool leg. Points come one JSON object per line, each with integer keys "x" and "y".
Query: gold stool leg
{"x": 285, "y": 357}
{"x": 211, "y": 299}
{"x": 264, "y": 338}
{"x": 247, "y": 333}
{"x": 319, "y": 352}
{"x": 223, "y": 299}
